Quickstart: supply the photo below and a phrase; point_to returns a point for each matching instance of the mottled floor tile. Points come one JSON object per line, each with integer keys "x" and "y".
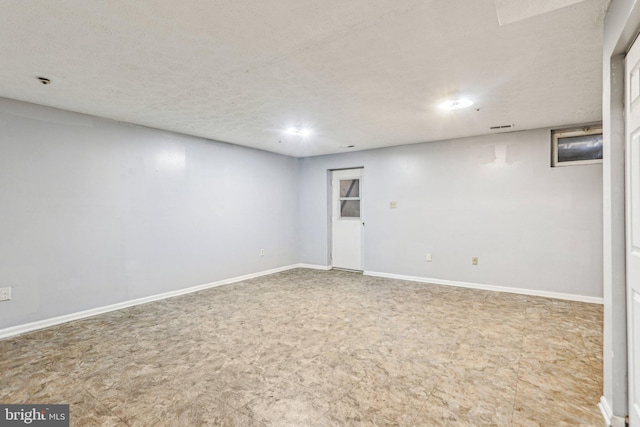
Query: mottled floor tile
{"x": 544, "y": 404}
{"x": 45, "y": 387}
{"x": 204, "y": 410}
{"x": 306, "y": 347}
{"x": 473, "y": 400}
{"x": 288, "y": 404}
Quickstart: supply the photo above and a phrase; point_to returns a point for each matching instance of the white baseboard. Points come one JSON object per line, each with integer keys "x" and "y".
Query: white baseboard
{"x": 40, "y": 324}
{"x": 610, "y": 420}
{"x": 547, "y": 294}
{"x": 606, "y": 411}
{"x": 315, "y": 266}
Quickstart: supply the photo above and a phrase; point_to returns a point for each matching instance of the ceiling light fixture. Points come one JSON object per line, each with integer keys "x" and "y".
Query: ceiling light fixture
{"x": 298, "y": 131}
{"x": 456, "y": 104}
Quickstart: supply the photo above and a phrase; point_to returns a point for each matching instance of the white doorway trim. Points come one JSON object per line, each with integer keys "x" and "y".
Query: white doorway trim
{"x": 621, "y": 25}
{"x": 632, "y": 197}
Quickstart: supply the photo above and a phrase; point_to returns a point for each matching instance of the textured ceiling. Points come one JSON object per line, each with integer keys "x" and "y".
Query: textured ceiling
{"x": 517, "y": 10}
{"x": 368, "y": 73}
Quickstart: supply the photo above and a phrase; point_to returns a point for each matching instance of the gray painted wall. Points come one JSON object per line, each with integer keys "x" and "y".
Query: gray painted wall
{"x": 496, "y": 197}
{"x": 95, "y": 212}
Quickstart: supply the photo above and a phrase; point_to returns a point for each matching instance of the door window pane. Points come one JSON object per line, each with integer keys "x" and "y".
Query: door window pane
{"x": 349, "y": 188}
{"x": 350, "y": 208}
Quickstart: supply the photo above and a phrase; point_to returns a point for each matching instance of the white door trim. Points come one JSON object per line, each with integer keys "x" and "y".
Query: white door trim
{"x": 632, "y": 220}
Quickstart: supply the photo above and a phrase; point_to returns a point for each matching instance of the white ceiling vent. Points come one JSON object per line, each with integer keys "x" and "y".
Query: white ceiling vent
{"x": 500, "y": 127}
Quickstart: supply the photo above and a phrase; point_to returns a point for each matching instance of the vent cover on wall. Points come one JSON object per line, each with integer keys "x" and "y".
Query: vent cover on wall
{"x": 501, "y": 127}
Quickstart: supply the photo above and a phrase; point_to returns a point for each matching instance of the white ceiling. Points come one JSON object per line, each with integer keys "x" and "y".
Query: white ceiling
{"x": 365, "y": 72}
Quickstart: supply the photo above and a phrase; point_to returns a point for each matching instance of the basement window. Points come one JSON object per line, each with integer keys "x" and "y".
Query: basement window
{"x": 577, "y": 146}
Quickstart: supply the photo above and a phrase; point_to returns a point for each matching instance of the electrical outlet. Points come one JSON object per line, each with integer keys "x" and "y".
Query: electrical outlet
{"x": 428, "y": 258}
{"x": 5, "y": 294}
{"x": 393, "y": 205}
{"x": 261, "y": 252}
{"x": 474, "y": 260}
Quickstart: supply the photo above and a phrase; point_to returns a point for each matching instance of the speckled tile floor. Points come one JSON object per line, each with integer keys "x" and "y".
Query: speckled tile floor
{"x": 312, "y": 348}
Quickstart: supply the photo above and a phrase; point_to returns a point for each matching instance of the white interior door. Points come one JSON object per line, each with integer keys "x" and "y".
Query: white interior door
{"x": 346, "y": 219}
{"x": 632, "y": 114}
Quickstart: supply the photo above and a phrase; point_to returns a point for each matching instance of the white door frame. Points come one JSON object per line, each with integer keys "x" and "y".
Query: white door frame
{"x": 632, "y": 220}
{"x": 332, "y": 207}
{"x": 622, "y": 24}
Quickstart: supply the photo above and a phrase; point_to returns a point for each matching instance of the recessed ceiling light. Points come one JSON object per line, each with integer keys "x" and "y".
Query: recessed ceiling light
{"x": 298, "y": 131}
{"x": 456, "y": 104}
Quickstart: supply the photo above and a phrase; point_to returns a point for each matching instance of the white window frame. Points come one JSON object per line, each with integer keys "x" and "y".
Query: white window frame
{"x": 341, "y": 199}
{"x": 565, "y": 133}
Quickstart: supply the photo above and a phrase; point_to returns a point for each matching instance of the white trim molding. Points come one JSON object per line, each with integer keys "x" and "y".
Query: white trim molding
{"x": 41, "y": 324}
{"x": 547, "y": 294}
{"x": 606, "y": 411}
{"x": 315, "y": 266}
{"x": 610, "y": 420}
